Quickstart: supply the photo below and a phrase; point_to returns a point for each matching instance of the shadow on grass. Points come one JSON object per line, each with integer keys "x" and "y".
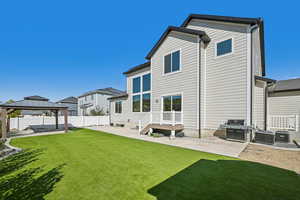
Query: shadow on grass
{"x": 229, "y": 179}
{"x": 19, "y": 160}
{"x": 29, "y": 183}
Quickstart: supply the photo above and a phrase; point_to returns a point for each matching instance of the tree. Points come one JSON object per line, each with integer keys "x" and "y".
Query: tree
{"x": 16, "y": 113}
{"x": 97, "y": 112}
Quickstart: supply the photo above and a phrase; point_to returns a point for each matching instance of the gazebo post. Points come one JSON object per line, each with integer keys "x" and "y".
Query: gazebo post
{"x": 8, "y": 124}
{"x": 66, "y": 120}
{"x": 4, "y": 129}
{"x": 56, "y": 119}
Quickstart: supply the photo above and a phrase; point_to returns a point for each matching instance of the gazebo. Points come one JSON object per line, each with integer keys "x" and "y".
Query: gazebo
{"x": 31, "y": 104}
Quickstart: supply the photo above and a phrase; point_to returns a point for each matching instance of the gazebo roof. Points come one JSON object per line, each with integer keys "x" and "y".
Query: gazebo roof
{"x": 33, "y": 105}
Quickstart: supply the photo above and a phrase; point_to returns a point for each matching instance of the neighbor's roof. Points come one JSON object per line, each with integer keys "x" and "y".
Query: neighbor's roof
{"x": 138, "y": 67}
{"x": 202, "y": 35}
{"x": 118, "y": 97}
{"x": 239, "y": 20}
{"x": 36, "y": 98}
{"x": 108, "y": 91}
{"x": 286, "y": 85}
{"x": 73, "y": 100}
{"x": 33, "y": 105}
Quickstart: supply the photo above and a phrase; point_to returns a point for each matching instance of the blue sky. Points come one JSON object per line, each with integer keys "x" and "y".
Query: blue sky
{"x": 64, "y": 48}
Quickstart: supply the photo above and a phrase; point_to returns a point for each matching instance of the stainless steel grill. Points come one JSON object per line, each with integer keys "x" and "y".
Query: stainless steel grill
{"x": 237, "y": 130}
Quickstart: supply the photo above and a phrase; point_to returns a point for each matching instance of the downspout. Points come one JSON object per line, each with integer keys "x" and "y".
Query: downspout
{"x": 251, "y": 28}
{"x": 199, "y": 89}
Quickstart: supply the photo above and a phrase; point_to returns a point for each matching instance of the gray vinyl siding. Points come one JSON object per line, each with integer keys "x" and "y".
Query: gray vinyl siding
{"x": 284, "y": 103}
{"x": 225, "y": 79}
{"x": 119, "y": 118}
{"x": 259, "y": 87}
{"x": 128, "y": 117}
{"x": 99, "y": 101}
{"x": 184, "y": 82}
{"x": 259, "y": 104}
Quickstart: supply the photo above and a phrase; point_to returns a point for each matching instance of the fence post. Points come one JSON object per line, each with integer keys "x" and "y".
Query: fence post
{"x": 18, "y": 123}
{"x": 140, "y": 126}
{"x": 297, "y": 123}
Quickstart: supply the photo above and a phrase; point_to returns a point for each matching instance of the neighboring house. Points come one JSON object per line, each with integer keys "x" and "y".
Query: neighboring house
{"x": 72, "y": 104}
{"x": 34, "y": 112}
{"x": 96, "y": 100}
{"x": 284, "y": 97}
{"x": 208, "y": 70}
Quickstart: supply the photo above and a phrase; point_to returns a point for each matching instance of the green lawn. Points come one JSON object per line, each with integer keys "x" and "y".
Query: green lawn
{"x": 93, "y": 165}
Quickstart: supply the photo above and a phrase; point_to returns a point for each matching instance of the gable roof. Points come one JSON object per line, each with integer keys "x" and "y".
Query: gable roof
{"x": 202, "y": 35}
{"x": 138, "y": 67}
{"x": 108, "y": 91}
{"x": 73, "y": 100}
{"x": 286, "y": 85}
{"x": 36, "y": 98}
{"x": 125, "y": 95}
{"x": 238, "y": 20}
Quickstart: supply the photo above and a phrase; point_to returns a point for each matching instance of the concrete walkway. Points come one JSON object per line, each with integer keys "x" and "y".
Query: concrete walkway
{"x": 209, "y": 144}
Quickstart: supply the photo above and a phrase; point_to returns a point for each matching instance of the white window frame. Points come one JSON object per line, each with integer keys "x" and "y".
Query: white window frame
{"x": 171, "y": 94}
{"x": 222, "y": 40}
{"x": 121, "y": 107}
{"x": 180, "y": 63}
{"x": 141, "y": 91}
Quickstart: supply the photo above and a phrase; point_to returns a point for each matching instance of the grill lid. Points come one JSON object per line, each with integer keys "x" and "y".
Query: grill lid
{"x": 236, "y": 122}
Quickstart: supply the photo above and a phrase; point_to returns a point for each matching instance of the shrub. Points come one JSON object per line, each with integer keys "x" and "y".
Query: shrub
{"x": 97, "y": 112}
{"x": 1, "y": 145}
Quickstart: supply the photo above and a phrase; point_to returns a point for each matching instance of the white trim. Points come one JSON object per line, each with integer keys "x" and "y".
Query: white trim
{"x": 121, "y": 107}
{"x": 141, "y": 91}
{"x": 171, "y": 94}
{"x": 151, "y": 94}
{"x": 223, "y": 40}
{"x": 204, "y": 88}
{"x": 248, "y": 114}
{"x": 180, "y": 63}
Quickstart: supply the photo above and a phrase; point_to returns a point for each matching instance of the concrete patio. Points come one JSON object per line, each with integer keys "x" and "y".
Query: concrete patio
{"x": 209, "y": 144}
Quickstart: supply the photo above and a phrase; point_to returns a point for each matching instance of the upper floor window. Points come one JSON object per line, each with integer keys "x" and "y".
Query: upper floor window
{"x": 172, "y": 62}
{"x": 118, "y": 107}
{"x": 136, "y": 85}
{"x": 224, "y": 47}
{"x": 92, "y": 97}
{"x": 146, "y": 82}
{"x": 141, "y": 100}
{"x": 136, "y": 103}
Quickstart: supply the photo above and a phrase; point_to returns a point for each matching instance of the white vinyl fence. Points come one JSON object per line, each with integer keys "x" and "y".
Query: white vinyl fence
{"x": 76, "y": 121}
{"x": 283, "y": 122}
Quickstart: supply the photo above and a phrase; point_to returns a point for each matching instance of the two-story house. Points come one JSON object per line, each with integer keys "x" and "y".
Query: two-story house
{"x": 199, "y": 75}
{"x": 71, "y": 103}
{"x": 96, "y": 100}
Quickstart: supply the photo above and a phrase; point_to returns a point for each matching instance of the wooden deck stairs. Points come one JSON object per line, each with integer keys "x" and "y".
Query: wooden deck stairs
{"x": 169, "y": 127}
